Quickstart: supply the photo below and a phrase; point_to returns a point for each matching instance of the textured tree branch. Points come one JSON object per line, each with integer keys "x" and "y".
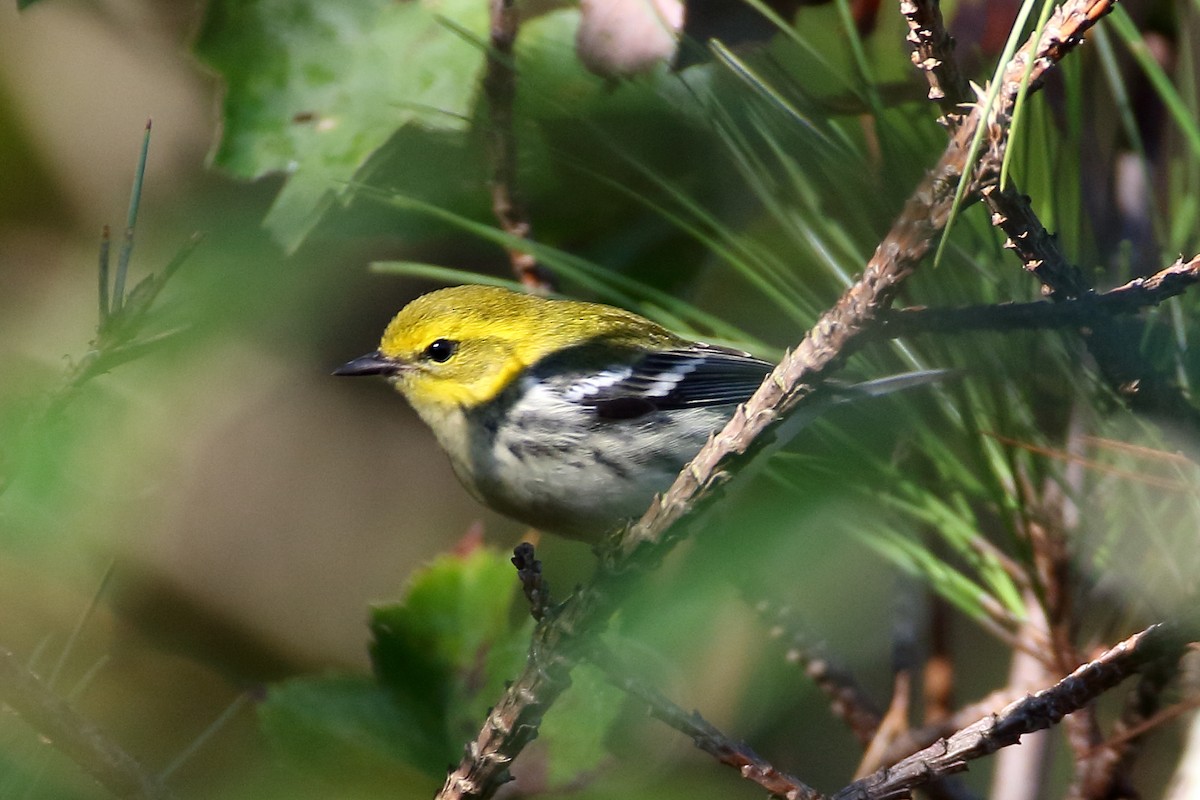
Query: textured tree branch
{"x": 1047, "y": 521}
{"x": 1033, "y": 244}
{"x": 703, "y": 734}
{"x": 1114, "y": 347}
{"x": 533, "y": 583}
{"x": 933, "y": 54}
{"x": 1089, "y": 310}
{"x": 500, "y": 90}
{"x": 75, "y": 737}
{"x": 916, "y": 739}
{"x": 1033, "y": 713}
{"x": 559, "y": 639}
{"x": 1113, "y": 759}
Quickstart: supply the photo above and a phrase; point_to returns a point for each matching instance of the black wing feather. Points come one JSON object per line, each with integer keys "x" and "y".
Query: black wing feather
{"x": 693, "y": 377}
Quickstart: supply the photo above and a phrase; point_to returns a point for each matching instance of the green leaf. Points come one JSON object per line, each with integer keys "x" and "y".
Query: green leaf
{"x": 440, "y": 274}
{"x": 346, "y": 727}
{"x": 313, "y": 89}
{"x": 448, "y": 647}
{"x": 441, "y": 656}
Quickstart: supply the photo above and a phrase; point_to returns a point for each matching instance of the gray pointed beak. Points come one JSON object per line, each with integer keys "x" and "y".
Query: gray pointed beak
{"x": 371, "y": 364}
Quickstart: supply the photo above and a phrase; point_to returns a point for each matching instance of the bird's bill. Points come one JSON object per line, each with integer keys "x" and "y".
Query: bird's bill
{"x": 371, "y": 364}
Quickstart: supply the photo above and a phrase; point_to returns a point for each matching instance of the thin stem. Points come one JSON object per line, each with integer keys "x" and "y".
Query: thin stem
{"x": 105, "y": 247}
{"x": 135, "y": 201}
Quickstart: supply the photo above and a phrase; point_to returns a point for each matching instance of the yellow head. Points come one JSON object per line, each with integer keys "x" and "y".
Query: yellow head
{"x": 462, "y": 346}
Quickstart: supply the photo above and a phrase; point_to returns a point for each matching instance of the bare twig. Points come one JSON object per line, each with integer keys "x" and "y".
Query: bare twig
{"x": 1086, "y": 311}
{"x": 1115, "y": 349}
{"x": 1051, "y": 518}
{"x": 75, "y": 737}
{"x": 1150, "y": 723}
{"x": 500, "y": 89}
{"x": 893, "y": 724}
{"x": 915, "y": 739}
{"x": 1111, "y": 760}
{"x": 1039, "y": 711}
{"x": 1046, "y": 521}
{"x": 1032, "y": 243}
{"x": 933, "y": 54}
{"x": 529, "y": 572}
{"x": 1052, "y": 561}
{"x": 905, "y": 660}
{"x": 704, "y": 734}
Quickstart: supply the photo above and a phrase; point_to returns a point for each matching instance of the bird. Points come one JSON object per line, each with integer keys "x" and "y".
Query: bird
{"x": 567, "y": 416}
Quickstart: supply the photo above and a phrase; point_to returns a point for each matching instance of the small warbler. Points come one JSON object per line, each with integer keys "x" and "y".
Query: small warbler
{"x": 564, "y": 415}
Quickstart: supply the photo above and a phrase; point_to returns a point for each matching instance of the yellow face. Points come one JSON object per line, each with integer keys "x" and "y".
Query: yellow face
{"x": 464, "y": 345}
{"x": 440, "y": 368}
{"x": 448, "y": 354}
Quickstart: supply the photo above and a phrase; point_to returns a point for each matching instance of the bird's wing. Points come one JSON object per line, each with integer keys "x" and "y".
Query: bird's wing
{"x": 691, "y": 377}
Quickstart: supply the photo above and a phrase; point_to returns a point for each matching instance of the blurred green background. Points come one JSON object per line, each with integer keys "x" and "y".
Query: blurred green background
{"x": 218, "y": 515}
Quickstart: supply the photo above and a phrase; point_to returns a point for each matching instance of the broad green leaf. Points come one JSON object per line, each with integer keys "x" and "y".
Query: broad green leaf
{"x": 313, "y": 89}
{"x": 441, "y": 656}
{"x": 448, "y": 647}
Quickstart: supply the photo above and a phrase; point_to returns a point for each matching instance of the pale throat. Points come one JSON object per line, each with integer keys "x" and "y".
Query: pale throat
{"x": 443, "y": 404}
{"x": 449, "y": 424}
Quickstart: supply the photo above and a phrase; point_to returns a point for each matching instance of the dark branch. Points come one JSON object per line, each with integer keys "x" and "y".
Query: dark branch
{"x": 916, "y": 739}
{"x": 848, "y": 701}
{"x": 1114, "y": 347}
{"x": 500, "y": 89}
{"x": 933, "y": 54}
{"x": 1033, "y": 713}
{"x": 529, "y": 572}
{"x": 1086, "y": 311}
{"x": 1113, "y": 759}
{"x": 1033, "y": 244}
{"x": 703, "y": 734}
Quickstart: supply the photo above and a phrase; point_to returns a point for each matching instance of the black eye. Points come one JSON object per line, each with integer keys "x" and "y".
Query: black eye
{"x": 441, "y": 350}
